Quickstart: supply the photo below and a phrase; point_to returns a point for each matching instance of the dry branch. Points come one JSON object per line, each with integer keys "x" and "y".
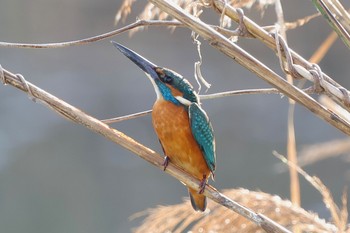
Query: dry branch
{"x": 76, "y": 115}
{"x": 137, "y": 24}
{"x": 331, "y": 87}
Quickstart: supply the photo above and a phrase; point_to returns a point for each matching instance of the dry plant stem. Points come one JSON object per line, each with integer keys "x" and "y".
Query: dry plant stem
{"x": 206, "y": 97}
{"x": 126, "y": 117}
{"x": 291, "y": 144}
{"x": 292, "y": 156}
{"x": 202, "y": 97}
{"x": 324, "y": 47}
{"x": 311, "y": 154}
{"x": 78, "y": 116}
{"x": 328, "y": 199}
{"x": 240, "y": 92}
{"x": 295, "y": 24}
{"x": 266, "y": 38}
{"x": 252, "y": 64}
{"x": 138, "y": 23}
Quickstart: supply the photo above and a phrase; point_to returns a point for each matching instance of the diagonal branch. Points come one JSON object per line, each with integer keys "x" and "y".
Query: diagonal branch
{"x": 332, "y": 88}
{"x": 245, "y": 59}
{"x": 76, "y": 115}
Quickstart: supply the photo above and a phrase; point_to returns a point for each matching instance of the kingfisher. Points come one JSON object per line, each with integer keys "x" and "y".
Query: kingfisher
{"x": 182, "y": 126}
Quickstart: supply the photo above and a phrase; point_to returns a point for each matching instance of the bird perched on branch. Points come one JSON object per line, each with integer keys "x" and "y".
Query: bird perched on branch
{"x": 182, "y": 126}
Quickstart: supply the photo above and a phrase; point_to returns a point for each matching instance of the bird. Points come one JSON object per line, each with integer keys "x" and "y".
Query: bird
{"x": 182, "y": 126}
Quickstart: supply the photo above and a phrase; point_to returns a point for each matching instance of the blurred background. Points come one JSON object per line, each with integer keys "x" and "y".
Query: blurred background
{"x": 57, "y": 176}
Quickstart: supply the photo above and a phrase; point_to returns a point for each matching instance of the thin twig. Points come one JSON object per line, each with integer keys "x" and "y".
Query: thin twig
{"x": 202, "y": 97}
{"x": 207, "y": 97}
{"x": 317, "y": 152}
{"x": 295, "y": 24}
{"x": 240, "y": 92}
{"x": 78, "y": 116}
{"x": 138, "y": 23}
{"x": 126, "y": 117}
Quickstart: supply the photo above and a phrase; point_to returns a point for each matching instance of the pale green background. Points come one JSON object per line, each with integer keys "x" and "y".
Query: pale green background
{"x": 58, "y": 177}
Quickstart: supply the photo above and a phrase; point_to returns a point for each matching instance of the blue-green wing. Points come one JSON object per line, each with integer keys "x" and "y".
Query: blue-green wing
{"x": 203, "y": 133}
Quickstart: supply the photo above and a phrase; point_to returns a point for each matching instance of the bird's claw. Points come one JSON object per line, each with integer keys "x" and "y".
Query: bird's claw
{"x": 165, "y": 162}
{"x": 202, "y": 184}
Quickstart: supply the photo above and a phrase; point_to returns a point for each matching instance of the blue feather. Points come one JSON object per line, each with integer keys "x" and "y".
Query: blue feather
{"x": 203, "y": 133}
{"x": 166, "y": 92}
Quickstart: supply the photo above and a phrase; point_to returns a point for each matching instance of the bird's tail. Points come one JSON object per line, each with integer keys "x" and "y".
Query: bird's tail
{"x": 198, "y": 201}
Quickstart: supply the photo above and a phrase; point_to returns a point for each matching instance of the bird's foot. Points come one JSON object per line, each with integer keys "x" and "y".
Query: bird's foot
{"x": 165, "y": 162}
{"x": 202, "y": 184}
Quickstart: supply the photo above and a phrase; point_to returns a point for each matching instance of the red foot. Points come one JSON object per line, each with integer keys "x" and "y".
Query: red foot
{"x": 166, "y": 162}
{"x": 202, "y": 184}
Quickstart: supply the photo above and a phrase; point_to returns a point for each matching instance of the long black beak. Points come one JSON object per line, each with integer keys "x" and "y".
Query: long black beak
{"x": 140, "y": 61}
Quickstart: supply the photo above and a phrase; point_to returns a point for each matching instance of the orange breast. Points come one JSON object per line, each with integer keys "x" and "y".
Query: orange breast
{"x": 172, "y": 126}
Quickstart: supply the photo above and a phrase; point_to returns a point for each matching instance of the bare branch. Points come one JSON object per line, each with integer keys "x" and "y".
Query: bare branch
{"x": 126, "y": 117}
{"x": 240, "y": 92}
{"x": 207, "y": 97}
{"x": 138, "y": 23}
{"x": 202, "y": 97}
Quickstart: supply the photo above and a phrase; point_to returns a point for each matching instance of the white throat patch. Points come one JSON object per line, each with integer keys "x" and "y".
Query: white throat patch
{"x": 159, "y": 95}
{"x": 183, "y": 100}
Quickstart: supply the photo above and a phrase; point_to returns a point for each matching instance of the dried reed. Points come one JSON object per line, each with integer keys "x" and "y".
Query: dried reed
{"x": 181, "y": 218}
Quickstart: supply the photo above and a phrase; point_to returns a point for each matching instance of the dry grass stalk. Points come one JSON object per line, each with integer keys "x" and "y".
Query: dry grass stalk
{"x": 301, "y": 22}
{"x": 314, "y": 153}
{"x": 178, "y": 218}
{"x": 291, "y": 142}
{"x": 334, "y": 106}
{"x": 150, "y": 12}
{"x": 55, "y": 45}
{"x": 339, "y": 216}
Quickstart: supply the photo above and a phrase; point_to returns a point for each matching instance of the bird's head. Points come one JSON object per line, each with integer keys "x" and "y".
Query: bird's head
{"x": 167, "y": 84}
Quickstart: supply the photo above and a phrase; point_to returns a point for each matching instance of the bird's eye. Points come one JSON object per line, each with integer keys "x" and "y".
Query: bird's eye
{"x": 168, "y": 79}
{"x": 163, "y": 76}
